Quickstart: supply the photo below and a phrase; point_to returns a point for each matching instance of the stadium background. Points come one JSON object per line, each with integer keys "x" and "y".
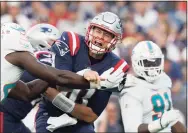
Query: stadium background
{"x": 165, "y": 23}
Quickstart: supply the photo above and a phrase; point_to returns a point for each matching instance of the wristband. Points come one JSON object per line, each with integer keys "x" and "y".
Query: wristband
{"x": 63, "y": 103}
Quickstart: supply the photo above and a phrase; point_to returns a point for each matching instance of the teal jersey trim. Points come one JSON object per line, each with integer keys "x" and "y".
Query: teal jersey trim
{"x": 6, "y": 89}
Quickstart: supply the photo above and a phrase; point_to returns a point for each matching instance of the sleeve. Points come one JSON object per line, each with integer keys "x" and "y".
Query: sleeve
{"x": 101, "y": 97}
{"x": 63, "y": 57}
{"x": 132, "y": 113}
{"x": 118, "y": 64}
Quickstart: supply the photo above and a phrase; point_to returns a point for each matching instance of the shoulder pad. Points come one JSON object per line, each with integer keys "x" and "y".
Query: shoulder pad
{"x": 134, "y": 91}
{"x": 73, "y": 41}
{"x": 164, "y": 80}
{"x": 119, "y": 64}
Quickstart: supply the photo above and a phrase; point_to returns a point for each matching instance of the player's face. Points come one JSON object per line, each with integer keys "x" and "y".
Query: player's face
{"x": 101, "y": 38}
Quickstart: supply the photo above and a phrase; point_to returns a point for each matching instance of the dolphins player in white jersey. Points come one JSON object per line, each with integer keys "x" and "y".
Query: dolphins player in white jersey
{"x": 17, "y": 56}
{"x": 145, "y": 100}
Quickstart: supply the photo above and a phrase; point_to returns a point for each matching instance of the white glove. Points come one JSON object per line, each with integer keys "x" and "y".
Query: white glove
{"x": 61, "y": 121}
{"x": 169, "y": 118}
{"x": 113, "y": 77}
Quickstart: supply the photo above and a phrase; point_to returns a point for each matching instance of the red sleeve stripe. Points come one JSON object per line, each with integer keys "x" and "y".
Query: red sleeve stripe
{"x": 1, "y": 122}
{"x": 126, "y": 68}
{"x": 121, "y": 62}
{"x": 78, "y": 43}
{"x": 37, "y": 54}
{"x": 73, "y": 42}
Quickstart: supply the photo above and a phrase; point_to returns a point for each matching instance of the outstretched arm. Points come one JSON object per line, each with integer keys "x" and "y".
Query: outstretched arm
{"x": 79, "y": 111}
{"x": 47, "y": 73}
{"x": 33, "y": 89}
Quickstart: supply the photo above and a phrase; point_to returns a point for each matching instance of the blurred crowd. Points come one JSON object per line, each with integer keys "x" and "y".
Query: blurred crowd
{"x": 162, "y": 22}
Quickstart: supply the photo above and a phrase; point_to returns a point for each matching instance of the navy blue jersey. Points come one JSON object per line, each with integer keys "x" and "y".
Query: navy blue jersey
{"x": 71, "y": 53}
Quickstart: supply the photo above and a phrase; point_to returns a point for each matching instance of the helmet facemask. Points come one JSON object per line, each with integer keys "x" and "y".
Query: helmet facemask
{"x": 150, "y": 69}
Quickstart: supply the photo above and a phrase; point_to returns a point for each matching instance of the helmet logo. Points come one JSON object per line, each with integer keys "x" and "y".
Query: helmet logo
{"x": 149, "y": 47}
{"x": 45, "y": 29}
{"x": 119, "y": 25}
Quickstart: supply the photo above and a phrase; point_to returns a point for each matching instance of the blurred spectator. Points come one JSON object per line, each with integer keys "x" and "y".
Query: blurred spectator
{"x": 173, "y": 70}
{"x": 144, "y": 15}
{"x": 72, "y": 23}
{"x": 179, "y": 98}
{"x": 110, "y": 121}
{"x": 58, "y": 12}
{"x": 87, "y": 10}
{"x": 3, "y": 7}
{"x": 124, "y": 49}
{"x": 120, "y": 8}
{"x": 15, "y": 16}
{"x": 39, "y": 13}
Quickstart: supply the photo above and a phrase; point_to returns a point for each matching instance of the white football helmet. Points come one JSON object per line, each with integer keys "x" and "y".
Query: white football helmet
{"x": 41, "y": 36}
{"x": 147, "y": 60}
{"x": 109, "y": 22}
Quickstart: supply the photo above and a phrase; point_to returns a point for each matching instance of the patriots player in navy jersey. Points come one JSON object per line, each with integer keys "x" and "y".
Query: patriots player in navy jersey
{"x": 75, "y": 52}
{"x": 15, "y": 110}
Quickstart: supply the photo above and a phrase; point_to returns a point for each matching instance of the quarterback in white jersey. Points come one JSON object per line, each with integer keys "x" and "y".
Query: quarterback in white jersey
{"x": 145, "y": 100}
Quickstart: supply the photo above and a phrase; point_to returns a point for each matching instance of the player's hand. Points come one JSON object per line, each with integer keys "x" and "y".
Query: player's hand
{"x": 169, "y": 118}
{"x": 112, "y": 77}
{"x": 92, "y": 76}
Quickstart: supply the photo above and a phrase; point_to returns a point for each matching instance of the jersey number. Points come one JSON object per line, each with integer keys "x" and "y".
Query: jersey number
{"x": 158, "y": 103}
{"x": 80, "y": 96}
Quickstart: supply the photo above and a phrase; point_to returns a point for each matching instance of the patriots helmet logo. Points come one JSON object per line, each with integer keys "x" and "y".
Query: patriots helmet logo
{"x": 45, "y": 29}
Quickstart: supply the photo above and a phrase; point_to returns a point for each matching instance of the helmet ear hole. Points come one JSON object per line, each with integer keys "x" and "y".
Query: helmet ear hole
{"x": 42, "y": 46}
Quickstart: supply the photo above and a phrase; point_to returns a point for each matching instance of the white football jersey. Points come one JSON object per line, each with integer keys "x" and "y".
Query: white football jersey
{"x": 143, "y": 102}
{"x": 12, "y": 39}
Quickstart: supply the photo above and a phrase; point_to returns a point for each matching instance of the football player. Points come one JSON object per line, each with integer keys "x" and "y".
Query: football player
{"x": 16, "y": 56}
{"x": 146, "y": 104}
{"x": 75, "y": 52}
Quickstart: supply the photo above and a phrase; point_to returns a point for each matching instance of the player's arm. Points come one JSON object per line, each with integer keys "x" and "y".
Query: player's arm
{"x": 178, "y": 128}
{"x": 28, "y": 91}
{"x": 47, "y": 73}
{"x": 79, "y": 111}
